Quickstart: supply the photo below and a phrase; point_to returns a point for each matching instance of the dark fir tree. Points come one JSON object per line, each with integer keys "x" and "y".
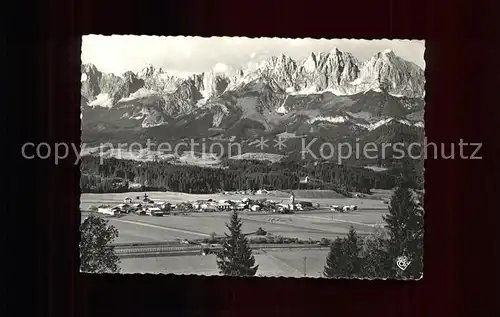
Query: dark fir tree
{"x": 376, "y": 263}
{"x": 236, "y": 257}
{"x": 97, "y": 254}
{"x": 405, "y": 224}
{"x": 334, "y": 260}
{"x": 343, "y": 260}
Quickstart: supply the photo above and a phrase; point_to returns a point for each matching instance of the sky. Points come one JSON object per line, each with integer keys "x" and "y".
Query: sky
{"x": 186, "y": 55}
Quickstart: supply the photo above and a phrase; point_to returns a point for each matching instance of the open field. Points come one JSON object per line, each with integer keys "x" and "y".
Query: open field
{"x": 275, "y": 263}
{"x": 314, "y": 225}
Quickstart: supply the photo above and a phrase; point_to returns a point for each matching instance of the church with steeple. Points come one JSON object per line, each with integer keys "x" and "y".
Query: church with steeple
{"x": 292, "y": 201}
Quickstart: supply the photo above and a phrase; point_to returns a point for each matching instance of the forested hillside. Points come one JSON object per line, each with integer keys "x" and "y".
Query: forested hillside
{"x": 115, "y": 175}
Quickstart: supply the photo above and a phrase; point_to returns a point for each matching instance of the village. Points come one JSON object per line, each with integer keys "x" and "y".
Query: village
{"x": 143, "y": 205}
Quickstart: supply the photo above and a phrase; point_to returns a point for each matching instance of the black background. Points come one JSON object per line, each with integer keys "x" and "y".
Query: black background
{"x": 42, "y": 73}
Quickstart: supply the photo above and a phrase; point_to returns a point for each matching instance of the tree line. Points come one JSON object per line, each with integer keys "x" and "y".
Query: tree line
{"x": 115, "y": 175}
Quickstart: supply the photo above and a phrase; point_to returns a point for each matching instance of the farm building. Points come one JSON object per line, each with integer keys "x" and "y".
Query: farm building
{"x": 283, "y": 206}
{"x": 349, "y": 208}
{"x": 123, "y": 208}
{"x": 208, "y": 206}
{"x": 153, "y": 211}
{"x": 127, "y": 200}
{"x": 306, "y": 204}
{"x": 109, "y": 210}
{"x": 134, "y": 185}
{"x": 255, "y": 207}
{"x": 241, "y": 206}
{"x": 223, "y": 206}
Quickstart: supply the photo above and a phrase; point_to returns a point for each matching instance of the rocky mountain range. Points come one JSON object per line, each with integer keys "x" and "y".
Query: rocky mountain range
{"x": 328, "y": 94}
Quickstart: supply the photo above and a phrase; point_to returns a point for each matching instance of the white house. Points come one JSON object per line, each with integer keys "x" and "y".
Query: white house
{"x": 209, "y": 208}
{"x": 109, "y": 211}
{"x": 223, "y": 206}
{"x": 153, "y": 211}
{"x": 350, "y": 207}
{"x": 241, "y": 206}
{"x": 255, "y": 207}
{"x": 304, "y": 180}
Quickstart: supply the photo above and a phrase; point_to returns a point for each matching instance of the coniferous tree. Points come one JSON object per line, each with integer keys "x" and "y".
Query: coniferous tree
{"x": 343, "y": 260}
{"x": 376, "y": 263}
{"x": 236, "y": 257}
{"x": 334, "y": 261}
{"x": 406, "y": 230}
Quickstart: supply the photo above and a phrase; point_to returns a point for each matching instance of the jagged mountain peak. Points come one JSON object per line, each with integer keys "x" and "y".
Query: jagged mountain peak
{"x": 88, "y": 67}
{"x": 314, "y": 83}
{"x": 278, "y": 61}
{"x": 385, "y": 70}
{"x": 151, "y": 70}
{"x": 388, "y": 51}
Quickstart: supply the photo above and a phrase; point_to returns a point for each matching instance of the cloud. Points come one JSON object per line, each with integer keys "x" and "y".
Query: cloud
{"x": 220, "y": 68}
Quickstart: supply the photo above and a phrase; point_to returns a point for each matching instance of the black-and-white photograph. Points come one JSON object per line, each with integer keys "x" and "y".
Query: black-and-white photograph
{"x": 252, "y": 157}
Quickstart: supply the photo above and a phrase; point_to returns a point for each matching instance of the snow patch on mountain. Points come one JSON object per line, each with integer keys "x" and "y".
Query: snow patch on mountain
{"x": 337, "y": 119}
{"x": 287, "y": 135}
{"x": 376, "y": 168}
{"x": 199, "y": 158}
{"x": 375, "y": 125}
{"x": 219, "y": 115}
{"x": 152, "y": 123}
{"x": 258, "y": 157}
{"x": 405, "y": 122}
{"x": 282, "y": 109}
{"x": 313, "y": 89}
{"x": 382, "y": 122}
{"x": 102, "y": 100}
{"x": 396, "y": 95}
{"x": 141, "y": 93}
